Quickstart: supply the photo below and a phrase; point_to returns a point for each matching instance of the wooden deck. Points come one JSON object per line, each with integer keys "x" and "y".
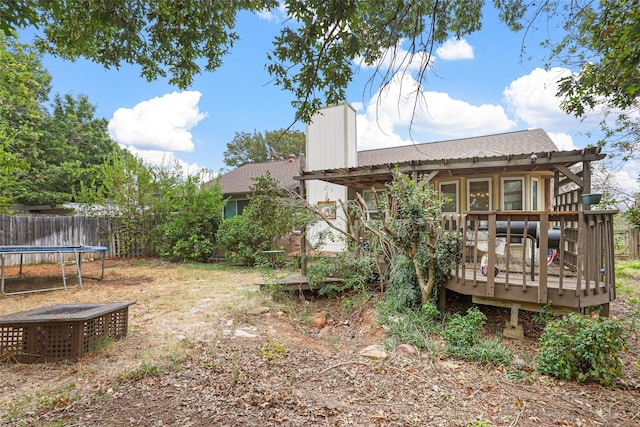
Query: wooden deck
{"x": 582, "y": 275}
{"x": 516, "y": 287}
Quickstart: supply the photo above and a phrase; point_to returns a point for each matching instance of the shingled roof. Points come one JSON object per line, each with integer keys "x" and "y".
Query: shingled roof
{"x": 239, "y": 180}
{"x": 519, "y": 142}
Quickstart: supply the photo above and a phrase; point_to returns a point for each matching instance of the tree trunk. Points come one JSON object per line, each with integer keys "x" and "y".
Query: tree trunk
{"x": 425, "y": 287}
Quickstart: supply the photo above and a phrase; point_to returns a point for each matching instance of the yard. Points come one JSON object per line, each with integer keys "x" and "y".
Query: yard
{"x": 205, "y": 348}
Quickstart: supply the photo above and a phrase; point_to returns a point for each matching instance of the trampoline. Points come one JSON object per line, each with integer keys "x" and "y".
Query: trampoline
{"x": 60, "y": 251}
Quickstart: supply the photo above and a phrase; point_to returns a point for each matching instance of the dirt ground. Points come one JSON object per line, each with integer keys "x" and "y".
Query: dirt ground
{"x": 206, "y": 349}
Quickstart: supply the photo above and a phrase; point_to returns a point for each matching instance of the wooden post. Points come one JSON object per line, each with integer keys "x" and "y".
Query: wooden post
{"x": 491, "y": 252}
{"x": 543, "y": 247}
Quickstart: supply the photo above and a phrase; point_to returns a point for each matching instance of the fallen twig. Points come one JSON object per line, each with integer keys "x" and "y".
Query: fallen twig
{"x": 337, "y": 365}
{"x": 524, "y": 405}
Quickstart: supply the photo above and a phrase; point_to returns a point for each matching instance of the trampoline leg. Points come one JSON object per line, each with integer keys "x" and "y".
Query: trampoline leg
{"x": 2, "y": 256}
{"x": 64, "y": 278}
{"x": 79, "y": 267}
{"x": 104, "y": 255}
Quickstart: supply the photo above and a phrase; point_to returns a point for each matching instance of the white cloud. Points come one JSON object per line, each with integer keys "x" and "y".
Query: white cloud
{"x": 529, "y": 102}
{"x": 162, "y": 123}
{"x": 630, "y": 171}
{"x": 563, "y": 141}
{"x": 397, "y": 58}
{"x": 455, "y": 49}
{"x": 389, "y": 117}
{"x": 163, "y": 159}
{"x": 533, "y": 100}
{"x": 628, "y": 180}
{"x": 275, "y": 15}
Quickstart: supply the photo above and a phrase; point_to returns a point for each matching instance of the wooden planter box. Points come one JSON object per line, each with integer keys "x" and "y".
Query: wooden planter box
{"x": 60, "y": 332}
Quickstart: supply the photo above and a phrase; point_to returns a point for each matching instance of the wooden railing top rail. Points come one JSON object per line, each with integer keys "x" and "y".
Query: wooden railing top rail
{"x": 539, "y": 213}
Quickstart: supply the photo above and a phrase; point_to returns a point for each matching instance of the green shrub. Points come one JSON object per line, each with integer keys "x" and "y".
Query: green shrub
{"x": 582, "y": 348}
{"x": 490, "y": 351}
{"x": 241, "y": 240}
{"x": 461, "y": 333}
{"x": 448, "y": 254}
{"x": 413, "y": 327}
{"x": 402, "y": 291}
{"x": 355, "y": 272}
{"x": 462, "y": 339}
{"x": 189, "y": 231}
{"x": 322, "y": 268}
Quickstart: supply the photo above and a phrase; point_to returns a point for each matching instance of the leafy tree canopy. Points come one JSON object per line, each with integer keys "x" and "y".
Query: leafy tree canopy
{"x": 47, "y": 154}
{"x": 69, "y": 154}
{"x": 276, "y": 210}
{"x": 314, "y": 54}
{"x": 603, "y": 39}
{"x": 257, "y": 147}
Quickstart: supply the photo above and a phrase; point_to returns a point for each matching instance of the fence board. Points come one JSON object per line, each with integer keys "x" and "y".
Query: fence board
{"x": 54, "y": 231}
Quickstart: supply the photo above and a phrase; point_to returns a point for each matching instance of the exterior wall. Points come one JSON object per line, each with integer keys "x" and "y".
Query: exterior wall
{"x": 543, "y": 180}
{"x": 331, "y": 144}
{"x": 496, "y": 189}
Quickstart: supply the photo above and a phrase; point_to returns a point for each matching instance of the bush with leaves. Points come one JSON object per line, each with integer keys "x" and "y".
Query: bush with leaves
{"x": 462, "y": 339}
{"x": 355, "y": 273}
{"x": 409, "y": 222}
{"x": 276, "y": 210}
{"x": 320, "y": 268}
{"x": 412, "y": 326}
{"x": 582, "y": 348}
{"x": 190, "y": 232}
{"x": 402, "y": 290}
{"x": 139, "y": 198}
{"x": 633, "y": 216}
{"x": 241, "y": 240}
{"x": 461, "y": 333}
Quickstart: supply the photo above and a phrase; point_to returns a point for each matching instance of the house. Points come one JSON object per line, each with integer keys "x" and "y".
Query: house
{"x": 236, "y": 185}
{"x": 514, "y": 197}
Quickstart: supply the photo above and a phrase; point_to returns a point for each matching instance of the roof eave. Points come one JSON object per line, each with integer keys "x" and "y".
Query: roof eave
{"x": 525, "y": 162}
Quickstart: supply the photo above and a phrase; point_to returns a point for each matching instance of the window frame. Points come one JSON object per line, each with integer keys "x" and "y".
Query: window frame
{"x": 372, "y": 209}
{"x": 522, "y": 193}
{"x": 535, "y": 198}
{"x": 489, "y": 181}
{"x": 235, "y": 203}
{"x": 457, "y": 198}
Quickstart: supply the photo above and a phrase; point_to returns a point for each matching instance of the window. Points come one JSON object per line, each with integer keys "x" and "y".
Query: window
{"x": 235, "y": 207}
{"x": 479, "y": 194}
{"x": 450, "y": 191}
{"x": 513, "y": 194}
{"x": 369, "y": 200}
{"x": 535, "y": 195}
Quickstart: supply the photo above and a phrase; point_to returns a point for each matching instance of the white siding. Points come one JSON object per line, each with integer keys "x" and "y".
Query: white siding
{"x": 331, "y": 139}
{"x": 331, "y": 144}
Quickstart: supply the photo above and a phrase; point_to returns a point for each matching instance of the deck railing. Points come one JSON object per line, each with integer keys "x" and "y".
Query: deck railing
{"x": 530, "y": 250}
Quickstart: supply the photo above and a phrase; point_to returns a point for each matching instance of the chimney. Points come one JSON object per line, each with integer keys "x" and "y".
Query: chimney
{"x": 292, "y": 158}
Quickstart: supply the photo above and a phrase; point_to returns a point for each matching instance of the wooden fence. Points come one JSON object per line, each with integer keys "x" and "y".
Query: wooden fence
{"x": 627, "y": 243}
{"x": 55, "y": 231}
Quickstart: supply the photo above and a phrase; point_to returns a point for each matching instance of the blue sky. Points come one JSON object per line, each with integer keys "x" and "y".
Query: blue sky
{"x": 479, "y": 85}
